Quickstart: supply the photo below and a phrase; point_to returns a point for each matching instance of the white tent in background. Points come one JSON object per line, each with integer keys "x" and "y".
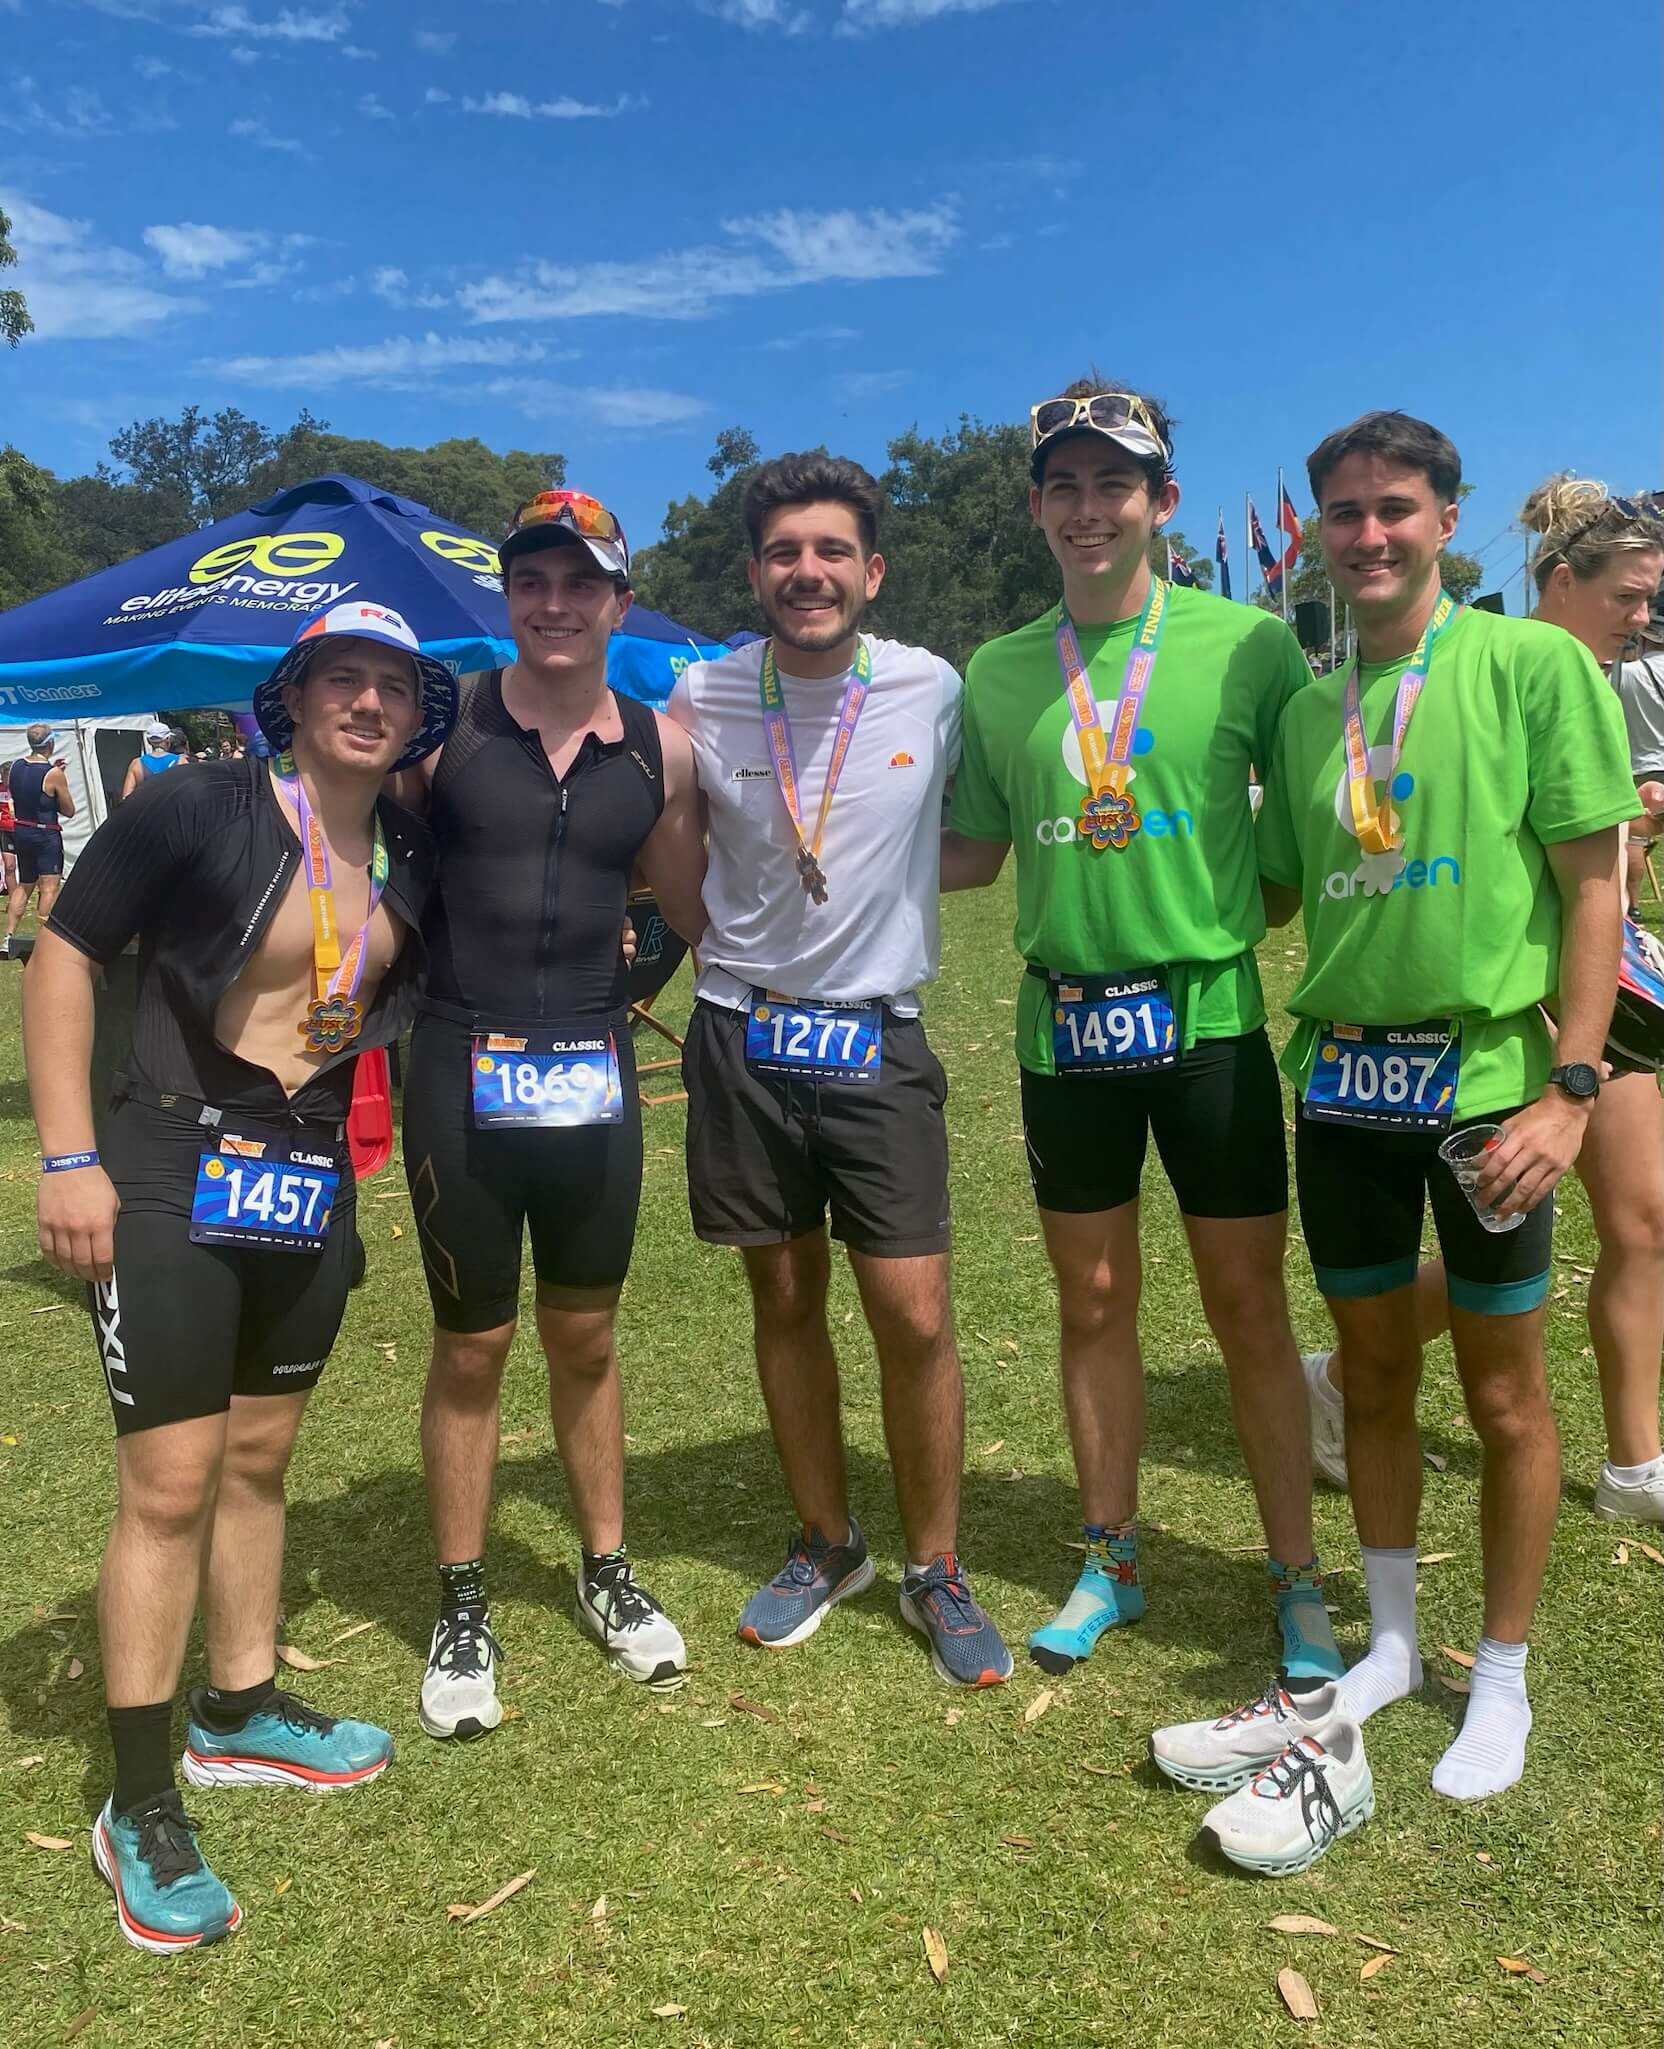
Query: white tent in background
{"x": 95, "y": 754}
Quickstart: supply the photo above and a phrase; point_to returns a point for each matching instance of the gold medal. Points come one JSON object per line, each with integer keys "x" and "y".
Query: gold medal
{"x": 331, "y": 1022}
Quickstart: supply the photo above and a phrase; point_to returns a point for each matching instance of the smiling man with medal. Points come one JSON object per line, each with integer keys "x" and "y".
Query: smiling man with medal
{"x": 213, "y": 1221}
{"x": 823, "y": 754}
{"x": 1109, "y": 745}
{"x": 1445, "y": 815}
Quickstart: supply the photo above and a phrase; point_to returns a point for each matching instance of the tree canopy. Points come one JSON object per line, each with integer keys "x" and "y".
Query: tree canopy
{"x": 15, "y": 322}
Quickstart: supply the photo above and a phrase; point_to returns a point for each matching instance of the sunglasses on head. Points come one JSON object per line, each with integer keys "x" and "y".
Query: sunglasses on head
{"x": 1108, "y": 411}
{"x": 569, "y": 508}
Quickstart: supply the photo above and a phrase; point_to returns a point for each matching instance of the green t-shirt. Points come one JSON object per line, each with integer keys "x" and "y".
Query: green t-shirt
{"x": 1184, "y": 894}
{"x": 1517, "y": 742}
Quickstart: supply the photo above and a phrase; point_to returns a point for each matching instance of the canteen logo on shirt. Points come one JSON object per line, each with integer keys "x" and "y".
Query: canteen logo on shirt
{"x": 1157, "y": 825}
{"x": 1380, "y": 874}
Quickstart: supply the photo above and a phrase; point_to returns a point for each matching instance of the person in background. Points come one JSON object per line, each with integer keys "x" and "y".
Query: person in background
{"x": 157, "y": 755}
{"x": 1640, "y": 686}
{"x": 41, "y": 801}
{"x": 8, "y": 818}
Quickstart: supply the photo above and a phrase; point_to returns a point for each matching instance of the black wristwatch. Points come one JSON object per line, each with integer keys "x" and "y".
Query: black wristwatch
{"x": 1579, "y": 1080}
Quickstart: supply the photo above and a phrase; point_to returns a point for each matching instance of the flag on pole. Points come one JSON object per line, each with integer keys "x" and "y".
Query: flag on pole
{"x": 1220, "y": 556}
{"x": 1289, "y": 520}
{"x": 1178, "y": 569}
{"x": 1270, "y": 568}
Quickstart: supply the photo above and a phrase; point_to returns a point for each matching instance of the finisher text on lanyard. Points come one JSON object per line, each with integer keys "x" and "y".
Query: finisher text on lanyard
{"x": 334, "y": 1017}
{"x": 1373, "y": 818}
{"x": 1108, "y": 815}
{"x": 777, "y": 722}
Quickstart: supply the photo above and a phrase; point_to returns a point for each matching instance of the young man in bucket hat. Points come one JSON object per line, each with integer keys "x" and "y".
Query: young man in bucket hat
{"x": 277, "y": 907}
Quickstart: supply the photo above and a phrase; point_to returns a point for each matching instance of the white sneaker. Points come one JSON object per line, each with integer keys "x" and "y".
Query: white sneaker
{"x": 639, "y": 1638}
{"x": 1639, "y": 1501}
{"x": 1287, "y": 1815}
{"x": 1328, "y": 1419}
{"x": 1212, "y": 1757}
{"x": 459, "y": 1688}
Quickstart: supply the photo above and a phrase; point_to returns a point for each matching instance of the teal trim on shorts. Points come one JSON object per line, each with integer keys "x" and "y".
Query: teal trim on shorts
{"x": 1498, "y": 1298}
{"x": 1354, "y": 1283}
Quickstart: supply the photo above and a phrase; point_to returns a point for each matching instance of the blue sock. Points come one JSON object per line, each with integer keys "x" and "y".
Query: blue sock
{"x": 1310, "y": 1653}
{"x": 1112, "y": 1557}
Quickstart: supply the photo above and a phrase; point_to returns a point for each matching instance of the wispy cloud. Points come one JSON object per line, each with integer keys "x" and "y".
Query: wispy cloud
{"x": 288, "y": 25}
{"x": 190, "y": 249}
{"x": 388, "y": 282}
{"x": 766, "y": 253}
{"x": 436, "y": 42}
{"x": 805, "y": 335}
{"x": 761, "y": 15}
{"x": 863, "y": 17}
{"x": 518, "y": 107}
{"x": 436, "y": 96}
{"x": 373, "y": 108}
{"x": 77, "y": 287}
{"x": 855, "y": 385}
{"x": 614, "y": 405}
{"x": 249, "y": 130}
{"x": 399, "y": 360}
{"x": 78, "y": 114}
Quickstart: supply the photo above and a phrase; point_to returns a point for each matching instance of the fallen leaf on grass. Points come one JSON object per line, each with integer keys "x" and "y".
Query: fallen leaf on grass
{"x": 490, "y": 1906}
{"x": 1297, "y": 1995}
{"x": 1457, "y": 1657}
{"x": 84, "y": 2019}
{"x": 835, "y": 1835}
{"x": 670, "y": 2011}
{"x": 46, "y": 1309}
{"x": 954, "y": 1717}
{"x": 46, "y": 1842}
{"x": 1098, "y": 1771}
{"x": 765, "y": 1786}
{"x": 1372, "y": 1968}
{"x": 1438, "y": 1557}
{"x": 282, "y": 1885}
{"x": 1518, "y": 1967}
{"x": 988, "y": 1450}
{"x": 599, "y": 1911}
{"x": 8, "y": 1927}
{"x": 1234, "y": 1548}
{"x": 1483, "y": 1857}
{"x": 1647, "y": 1551}
{"x": 357, "y": 1629}
{"x": 1437, "y": 1460}
{"x": 1038, "y": 1706}
{"x": 1301, "y": 1924}
{"x": 763, "y": 1712}
{"x": 814, "y": 1807}
{"x": 1454, "y": 1683}
{"x": 397, "y": 1231}
{"x": 936, "y": 1954}
{"x": 300, "y": 1661}
{"x": 1017, "y": 1842}
{"x": 390, "y": 1353}
{"x": 1375, "y": 1942}
{"x": 27, "y": 1764}
{"x": 1621, "y": 1555}
{"x": 74, "y": 1669}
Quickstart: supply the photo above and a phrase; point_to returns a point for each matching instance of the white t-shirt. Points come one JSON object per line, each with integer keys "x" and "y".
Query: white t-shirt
{"x": 878, "y": 933}
{"x": 1641, "y": 691}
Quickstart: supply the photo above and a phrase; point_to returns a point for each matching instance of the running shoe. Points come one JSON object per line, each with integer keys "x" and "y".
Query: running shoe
{"x": 459, "y": 1687}
{"x": 1284, "y": 1819}
{"x": 1328, "y": 1419}
{"x": 965, "y": 1647}
{"x": 284, "y": 1743}
{"x": 639, "y": 1638}
{"x": 1106, "y": 1594}
{"x": 1214, "y": 1757}
{"x": 1640, "y": 1501}
{"x": 167, "y": 1899}
{"x": 814, "y": 1579}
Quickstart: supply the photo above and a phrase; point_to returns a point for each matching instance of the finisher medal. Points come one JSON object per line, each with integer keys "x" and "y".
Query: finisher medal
{"x": 331, "y": 1022}
{"x": 1108, "y": 814}
{"x": 1109, "y": 820}
{"x": 334, "y": 1017}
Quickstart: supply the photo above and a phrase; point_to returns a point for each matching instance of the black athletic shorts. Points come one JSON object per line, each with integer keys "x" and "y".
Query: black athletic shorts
{"x": 474, "y": 1193}
{"x": 181, "y": 1328}
{"x": 767, "y": 1154}
{"x": 1218, "y": 1123}
{"x": 38, "y": 853}
{"x": 1361, "y": 1199}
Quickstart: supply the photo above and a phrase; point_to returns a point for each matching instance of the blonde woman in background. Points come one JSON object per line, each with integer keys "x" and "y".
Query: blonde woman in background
{"x": 1597, "y": 567}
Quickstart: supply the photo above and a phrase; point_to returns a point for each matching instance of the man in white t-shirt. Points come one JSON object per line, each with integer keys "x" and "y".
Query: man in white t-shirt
{"x": 823, "y": 754}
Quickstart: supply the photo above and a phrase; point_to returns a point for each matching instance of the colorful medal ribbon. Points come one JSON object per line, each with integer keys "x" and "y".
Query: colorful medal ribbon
{"x": 1373, "y": 818}
{"x": 777, "y": 722}
{"x": 1108, "y": 814}
{"x": 334, "y": 1017}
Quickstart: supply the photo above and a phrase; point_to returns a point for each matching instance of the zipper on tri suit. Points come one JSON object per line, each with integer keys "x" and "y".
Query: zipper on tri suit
{"x": 551, "y": 870}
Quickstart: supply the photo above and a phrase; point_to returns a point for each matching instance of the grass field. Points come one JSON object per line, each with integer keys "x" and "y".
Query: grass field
{"x": 768, "y": 1869}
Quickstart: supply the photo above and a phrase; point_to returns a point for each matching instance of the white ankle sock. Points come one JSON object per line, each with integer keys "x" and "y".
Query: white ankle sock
{"x": 1489, "y": 1755}
{"x": 1635, "y": 1476}
{"x": 1393, "y": 1667}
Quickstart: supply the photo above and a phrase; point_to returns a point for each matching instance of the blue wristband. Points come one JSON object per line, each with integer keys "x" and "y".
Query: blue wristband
{"x": 61, "y": 1163}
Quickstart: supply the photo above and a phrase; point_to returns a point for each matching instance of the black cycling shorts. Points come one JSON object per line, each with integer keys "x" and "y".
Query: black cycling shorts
{"x": 1361, "y": 1201}
{"x": 1218, "y": 1123}
{"x": 181, "y": 1328}
{"x": 38, "y": 853}
{"x": 768, "y": 1154}
{"x": 474, "y": 1193}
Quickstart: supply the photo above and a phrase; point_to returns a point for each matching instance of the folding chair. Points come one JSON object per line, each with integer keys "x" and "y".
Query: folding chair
{"x": 659, "y": 953}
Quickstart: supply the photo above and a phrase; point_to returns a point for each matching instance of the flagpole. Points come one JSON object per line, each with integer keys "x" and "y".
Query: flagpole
{"x": 1286, "y": 573}
{"x": 1333, "y": 624}
{"x": 1248, "y": 555}
{"x": 1169, "y": 559}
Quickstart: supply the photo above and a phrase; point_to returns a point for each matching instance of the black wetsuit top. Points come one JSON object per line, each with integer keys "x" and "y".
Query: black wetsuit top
{"x": 527, "y": 919}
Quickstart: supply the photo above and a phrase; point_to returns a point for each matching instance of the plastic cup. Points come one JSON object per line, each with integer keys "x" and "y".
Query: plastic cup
{"x": 1462, "y": 1153}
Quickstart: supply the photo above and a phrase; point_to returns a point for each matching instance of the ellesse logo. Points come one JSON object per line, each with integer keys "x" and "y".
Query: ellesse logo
{"x": 901, "y": 760}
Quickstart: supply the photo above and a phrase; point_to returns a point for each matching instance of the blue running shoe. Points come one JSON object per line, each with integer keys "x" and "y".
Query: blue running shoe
{"x": 815, "y": 1577}
{"x": 166, "y": 1897}
{"x": 1106, "y": 1594}
{"x": 284, "y": 1743}
{"x": 1310, "y": 1653}
{"x": 965, "y": 1647}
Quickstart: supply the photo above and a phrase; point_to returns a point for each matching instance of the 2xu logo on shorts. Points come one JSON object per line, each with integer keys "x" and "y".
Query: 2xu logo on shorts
{"x": 107, "y": 1317}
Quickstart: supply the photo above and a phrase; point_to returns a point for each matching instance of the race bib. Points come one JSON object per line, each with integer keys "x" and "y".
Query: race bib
{"x": 263, "y": 1193}
{"x": 1113, "y": 1024}
{"x": 548, "y": 1080}
{"x": 1396, "y": 1077}
{"x": 815, "y": 1041}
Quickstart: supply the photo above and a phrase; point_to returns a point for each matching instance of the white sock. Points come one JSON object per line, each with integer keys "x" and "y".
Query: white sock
{"x": 1635, "y": 1476}
{"x": 1393, "y": 1667}
{"x": 1489, "y": 1755}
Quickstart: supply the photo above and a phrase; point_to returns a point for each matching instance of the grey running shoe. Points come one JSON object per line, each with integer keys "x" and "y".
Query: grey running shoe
{"x": 1328, "y": 1419}
{"x": 965, "y": 1647}
{"x": 815, "y": 1577}
{"x": 639, "y": 1638}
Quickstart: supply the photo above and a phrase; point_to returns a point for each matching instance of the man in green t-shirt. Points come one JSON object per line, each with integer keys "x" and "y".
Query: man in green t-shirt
{"x": 1446, "y": 817}
{"x": 1110, "y": 744}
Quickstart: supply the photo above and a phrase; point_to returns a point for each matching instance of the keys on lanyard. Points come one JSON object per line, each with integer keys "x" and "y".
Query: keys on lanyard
{"x": 334, "y": 1017}
{"x": 778, "y": 726}
{"x": 1108, "y": 813}
{"x": 1387, "y": 1077}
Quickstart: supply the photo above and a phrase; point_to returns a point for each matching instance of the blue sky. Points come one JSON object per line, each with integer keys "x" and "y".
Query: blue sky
{"x": 612, "y": 227}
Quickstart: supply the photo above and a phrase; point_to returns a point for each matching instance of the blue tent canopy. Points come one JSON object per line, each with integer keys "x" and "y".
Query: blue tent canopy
{"x": 201, "y": 620}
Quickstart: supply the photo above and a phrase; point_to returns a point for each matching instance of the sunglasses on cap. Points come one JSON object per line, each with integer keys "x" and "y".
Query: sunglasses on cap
{"x": 1107, "y": 411}
{"x": 576, "y": 509}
